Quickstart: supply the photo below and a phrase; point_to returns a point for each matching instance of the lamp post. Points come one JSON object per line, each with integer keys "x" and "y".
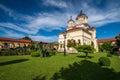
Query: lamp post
{"x": 64, "y": 34}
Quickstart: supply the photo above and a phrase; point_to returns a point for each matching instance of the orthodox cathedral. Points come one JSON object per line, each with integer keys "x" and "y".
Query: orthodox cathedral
{"x": 79, "y": 31}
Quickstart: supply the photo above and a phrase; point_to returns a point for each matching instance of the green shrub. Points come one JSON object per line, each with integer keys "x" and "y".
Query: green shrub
{"x": 17, "y": 51}
{"x": 0, "y": 52}
{"x": 109, "y": 55}
{"x": 26, "y": 53}
{"x": 13, "y": 52}
{"x": 8, "y": 52}
{"x": 52, "y": 52}
{"x": 104, "y": 61}
{"x": 5, "y": 52}
{"x": 85, "y": 49}
{"x": 35, "y": 54}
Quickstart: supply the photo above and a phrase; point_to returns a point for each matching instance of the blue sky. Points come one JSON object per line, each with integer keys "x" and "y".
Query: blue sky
{"x": 42, "y": 20}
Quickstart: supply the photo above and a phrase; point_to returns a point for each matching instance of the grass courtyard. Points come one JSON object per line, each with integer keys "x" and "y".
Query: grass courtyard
{"x": 58, "y": 67}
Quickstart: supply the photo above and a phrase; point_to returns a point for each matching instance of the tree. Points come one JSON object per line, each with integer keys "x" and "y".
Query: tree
{"x": 101, "y": 49}
{"x": 118, "y": 41}
{"x": 106, "y": 46}
{"x": 92, "y": 44}
{"x": 26, "y": 38}
{"x": 85, "y": 49}
{"x": 40, "y": 46}
{"x": 43, "y": 50}
{"x": 71, "y": 43}
{"x": 116, "y": 48}
{"x": 117, "y": 44}
{"x": 68, "y": 43}
{"x": 32, "y": 46}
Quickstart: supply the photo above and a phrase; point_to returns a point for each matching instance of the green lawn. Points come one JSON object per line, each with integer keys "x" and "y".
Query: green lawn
{"x": 58, "y": 67}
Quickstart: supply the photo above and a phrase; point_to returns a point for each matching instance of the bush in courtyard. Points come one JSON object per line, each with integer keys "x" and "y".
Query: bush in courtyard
{"x": 0, "y": 52}
{"x": 106, "y": 46}
{"x": 85, "y": 49}
{"x": 13, "y": 52}
{"x": 8, "y": 52}
{"x": 46, "y": 52}
{"x": 104, "y": 61}
{"x": 19, "y": 50}
{"x": 5, "y": 53}
{"x": 109, "y": 55}
{"x": 71, "y": 43}
{"x": 35, "y": 54}
{"x": 27, "y": 52}
{"x": 52, "y": 52}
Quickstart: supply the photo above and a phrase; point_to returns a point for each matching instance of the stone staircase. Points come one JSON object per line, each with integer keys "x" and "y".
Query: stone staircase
{"x": 70, "y": 50}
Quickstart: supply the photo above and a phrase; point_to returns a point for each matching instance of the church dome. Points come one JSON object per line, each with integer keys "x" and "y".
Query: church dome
{"x": 82, "y": 15}
{"x": 71, "y": 19}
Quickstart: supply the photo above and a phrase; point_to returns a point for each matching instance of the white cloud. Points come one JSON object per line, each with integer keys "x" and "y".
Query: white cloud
{"x": 18, "y": 28}
{"x": 57, "y": 20}
{"x": 7, "y": 10}
{"x": 13, "y": 34}
{"x": 102, "y": 18}
{"x": 44, "y": 38}
{"x": 10, "y": 33}
{"x": 98, "y": 17}
{"x": 15, "y": 15}
{"x": 44, "y": 22}
{"x": 48, "y": 21}
{"x": 56, "y": 3}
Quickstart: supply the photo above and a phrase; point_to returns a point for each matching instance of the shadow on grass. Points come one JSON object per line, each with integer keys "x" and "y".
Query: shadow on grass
{"x": 82, "y": 56}
{"x": 39, "y": 78}
{"x": 117, "y": 77}
{"x": 13, "y": 62}
{"x": 86, "y": 70}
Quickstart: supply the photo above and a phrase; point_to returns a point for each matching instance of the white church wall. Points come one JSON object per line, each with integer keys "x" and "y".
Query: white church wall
{"x": 77, "y": 33}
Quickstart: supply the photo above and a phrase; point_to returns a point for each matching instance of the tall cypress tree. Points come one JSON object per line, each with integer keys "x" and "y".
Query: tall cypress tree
{"x": 40, "y": 46}
{"x": 118, "y": 41}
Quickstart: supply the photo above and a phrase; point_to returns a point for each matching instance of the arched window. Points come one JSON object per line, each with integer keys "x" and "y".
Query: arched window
{"x": 79, "y": 41}
{"x": 68, "y": 43}
{"x": 5, "y": 45}
{"x": 60, "y": 41}
{"x": 60, "y": 45}
{"x": 11, "y": 45}
{"x": 18, "y": 45}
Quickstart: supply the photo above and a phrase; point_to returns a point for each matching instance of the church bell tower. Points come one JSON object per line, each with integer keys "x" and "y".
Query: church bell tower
{"x": 81, "y": 18}
{"x": 70, "y": 23}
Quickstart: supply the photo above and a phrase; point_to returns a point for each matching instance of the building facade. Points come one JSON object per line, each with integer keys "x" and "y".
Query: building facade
{"x": 111, "y": 40}
{"x": 7, "y": 43}
{"x": 79, "y": 31}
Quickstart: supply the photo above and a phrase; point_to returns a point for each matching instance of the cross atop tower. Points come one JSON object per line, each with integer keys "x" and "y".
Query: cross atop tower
{"x": 81, "y": 12}
{"x": 70, "y": 17}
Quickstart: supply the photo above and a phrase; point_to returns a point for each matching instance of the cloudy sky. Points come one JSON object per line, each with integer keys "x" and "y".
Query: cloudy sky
{"x": 42, "y": 20}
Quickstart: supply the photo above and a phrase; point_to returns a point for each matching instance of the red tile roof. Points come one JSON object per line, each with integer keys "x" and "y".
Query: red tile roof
{"x": 25, "y": 41}
{"x": 7, "y": 39}
{"x": 35, "y": 41}
{"x": 106, "y": 40}
{"x": 73, "y": 28}
{"x": 19, "y": 40}
{"x": 44, "y": 43}
{"x": 14, "y": 40}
